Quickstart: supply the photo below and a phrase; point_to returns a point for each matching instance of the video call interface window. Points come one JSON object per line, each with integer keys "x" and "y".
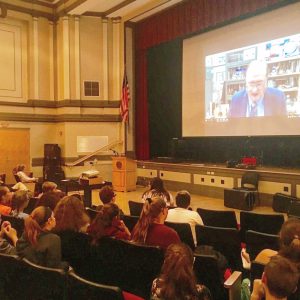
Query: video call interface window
{"x": 226, "y": 74}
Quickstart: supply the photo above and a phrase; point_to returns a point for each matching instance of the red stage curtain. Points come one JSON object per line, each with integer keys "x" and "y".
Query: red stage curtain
{"x": 186, "y": 18}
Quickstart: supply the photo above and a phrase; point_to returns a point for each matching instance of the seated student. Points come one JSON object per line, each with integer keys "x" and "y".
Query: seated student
{"x": 5, "y": 200}
{"x": 181, "y": 214}
{"x": 108, "y": 223}
{"x": 22, "y": 175}
{"x": 279, "y": 280}
{"x": 157, "y": 190}
{"x": 177, "y": 279}
{"x": 107, "y": 195}
{"x": 8, "y": 246}
{"x": 49, "y": 199}
{"x": 38, "y": 244}
{"x": 150, "y": 228}
{"x": 49, "y": 186}
{"x": 20, "y": 201}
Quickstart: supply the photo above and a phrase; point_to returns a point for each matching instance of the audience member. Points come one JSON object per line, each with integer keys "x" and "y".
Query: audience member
{"x": 38, "y": 244}
{"x": 108, "y": 223}
{"x": 20, "y": 201}
{"x": 157, "y": 190}
{"x": 70, "y": 215}
{"x": 49, "y": 199}
{"x": 49, "y": 186}
{"x": 181, "y": 214}
{"x": 8, "y": 239}
{"x": 150, "y": 228}
{"x": 23, "y": 176}
{"x": 107, "y": 194}
{"x": 279, "y": 280}
{"x": 5, "y": 200}
{"x": 177, "y": 279}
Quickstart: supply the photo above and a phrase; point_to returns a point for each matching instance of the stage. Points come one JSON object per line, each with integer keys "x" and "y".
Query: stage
{"x": 211, "y": 180}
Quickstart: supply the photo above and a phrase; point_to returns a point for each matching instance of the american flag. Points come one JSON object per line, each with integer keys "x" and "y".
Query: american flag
{"x": 125, "y": 99}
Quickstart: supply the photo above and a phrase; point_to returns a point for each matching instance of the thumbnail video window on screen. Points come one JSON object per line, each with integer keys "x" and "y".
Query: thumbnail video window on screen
{"x": 254, "y": 81}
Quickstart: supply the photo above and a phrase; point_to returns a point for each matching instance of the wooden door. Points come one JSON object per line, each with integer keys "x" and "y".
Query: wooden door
{"x": 14, "y": 149}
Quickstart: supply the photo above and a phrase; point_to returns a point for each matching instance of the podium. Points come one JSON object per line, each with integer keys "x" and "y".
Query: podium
{"x": 123, "y": 174}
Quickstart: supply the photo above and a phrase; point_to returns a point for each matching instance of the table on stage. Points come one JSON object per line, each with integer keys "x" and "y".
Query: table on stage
{"x": 88, "y": 184}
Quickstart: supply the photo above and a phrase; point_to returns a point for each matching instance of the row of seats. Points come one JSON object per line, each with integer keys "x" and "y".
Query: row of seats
{"x": 23, "y": 279}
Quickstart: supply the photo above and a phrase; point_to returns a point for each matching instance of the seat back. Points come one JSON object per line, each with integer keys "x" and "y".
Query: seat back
{"x": 207, "y": 273}
{"x": 266, "y": 223}
{"x": 16, "y": 223}
{"x": 31, "y": 205}
{"x": 224, "y": 240}
{"x": 250, "y": 181}
{"x": 258, "y": 241}
{"x": 256, "y": 271}
{"x": 294, "y": 209}
{"x": 25, "y": 280}
{"x": 129, "y": 221}
{"x": 218, "y": 218}
{"x": 91, "y": 212}
{"x": 128, "y": 265}
{"x": 79, "y": 288}
{"x": 135, "y": 208}
{"x": 184, "y": 231}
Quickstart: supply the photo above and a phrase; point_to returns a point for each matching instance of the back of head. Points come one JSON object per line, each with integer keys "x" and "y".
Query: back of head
{"x": 151, "y": 210}
{"x": 290, "y": 239}
{"x": 103, "y": 220}
{"x": 177, "y": 277}
{"x": 3, "y": 191}
{"x": 157, "y": 184}
{"x": 106, "y": 194}
{"x": 281, "y": 277}
{"x": 70, "y": 214}
{"x": 21, "y": 168}
{"x": 183, "y": 199}
{"x": 48, "y": 186}
{"x": 20, "y": 200}
{"x": 35, "y": 223}
{"x": 49, "y": 199}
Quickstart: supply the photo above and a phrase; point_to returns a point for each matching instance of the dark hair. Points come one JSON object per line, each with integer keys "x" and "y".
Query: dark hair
{"x": 281, "y": 276}
{"x": 151, "y": 210}
{"x": 106, "y": 194}
{"x": 19, "y": 199}
{"x": 103, "y": 220}
{"x": 183, "y": 199}
{"x": 35, "y": 223}
{"x": 289, "y": 239}
{"x": 157, "y": 189}
{"x": 3, "y": 191}
{"x": 70, "y": 214}
{"x": 49, "y": 199}
{"x": 177, "y": 277}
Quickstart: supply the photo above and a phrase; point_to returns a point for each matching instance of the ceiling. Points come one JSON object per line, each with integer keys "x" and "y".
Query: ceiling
{"x": 129, "y": 10}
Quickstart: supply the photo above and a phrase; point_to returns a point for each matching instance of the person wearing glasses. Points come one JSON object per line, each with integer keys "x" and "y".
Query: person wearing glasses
{"x": 257, "y": 100}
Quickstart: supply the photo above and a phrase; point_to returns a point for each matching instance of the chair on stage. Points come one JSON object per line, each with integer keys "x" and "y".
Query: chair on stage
{"x": 224, "y": 240}
{"x": 208, "y": 273}
{"x": 135, "y": 208}
{"x": 258, "y": 241}
{"x": 184, "y": 231}
{"x": 218, "y": 218}
{"x": 80, "y": 288}
{"x": 266, "y": 223}
{"x": 244, "y": 197}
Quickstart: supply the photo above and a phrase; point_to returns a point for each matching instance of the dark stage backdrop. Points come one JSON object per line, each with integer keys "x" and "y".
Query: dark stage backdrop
{"x": 164, "y": 95}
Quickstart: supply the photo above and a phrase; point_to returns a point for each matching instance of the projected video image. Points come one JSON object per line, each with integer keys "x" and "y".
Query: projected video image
{"x": 254, "y": 81}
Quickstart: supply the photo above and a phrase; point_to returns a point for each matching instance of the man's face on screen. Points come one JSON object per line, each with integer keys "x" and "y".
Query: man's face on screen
{"x": 255, "y": 85}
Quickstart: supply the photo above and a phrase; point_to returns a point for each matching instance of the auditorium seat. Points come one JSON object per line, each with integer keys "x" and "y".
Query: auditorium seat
{"x": 80, "y": 288}
{"x": 92, "y": 213}
{"x": 31, "y": 205}
{"x": 207, "y": 273}
{"x": 294, "y": 209}
{"x": 135, "y": 208}
{"x": 218, "y": 218}
{"x": 129, "y": 221}
{"x": 266, "y": 223}
{"x": 258, "y": 241}
{"x": 184, "y": 231}
{"x": 225, "y": 240}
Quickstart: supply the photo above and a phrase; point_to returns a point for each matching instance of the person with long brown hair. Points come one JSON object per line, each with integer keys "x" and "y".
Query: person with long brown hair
{"x": 150, "y": 228}
{"x": 38, "y": 244}
{"x": 157, "y": 189}
{"x": 70, "y": 215}
{"x": 108, "y": 223}
{"x": 177, "y": 280}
